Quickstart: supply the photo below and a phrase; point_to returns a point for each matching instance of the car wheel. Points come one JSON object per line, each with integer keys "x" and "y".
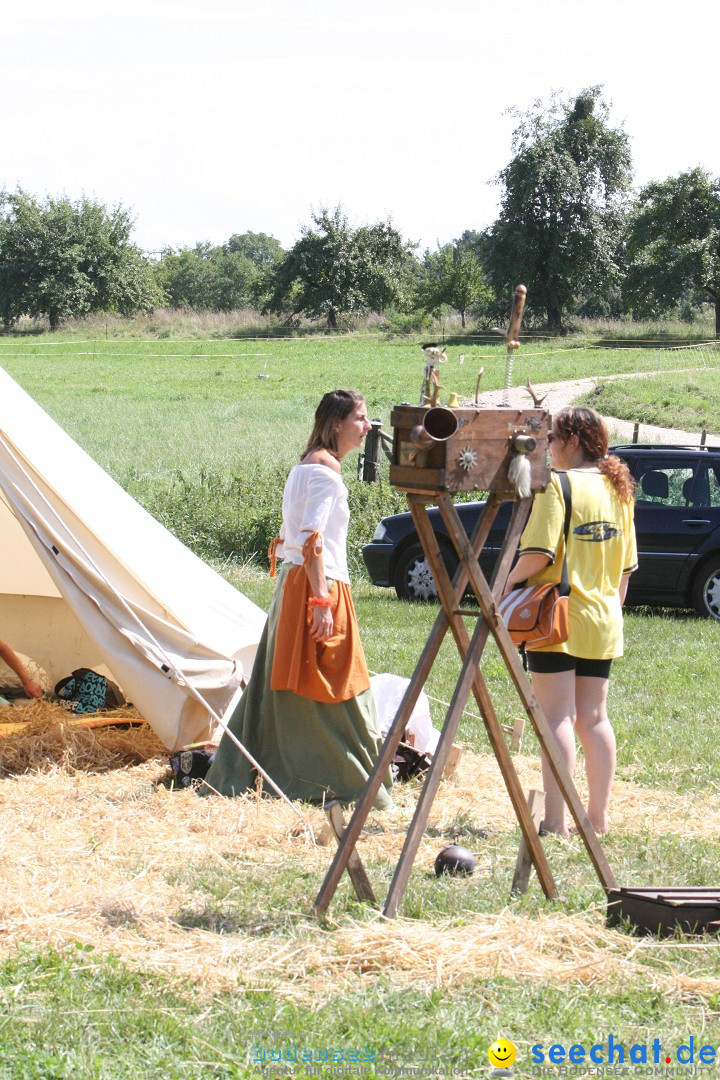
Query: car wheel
{"x": 706, "y": 590}
{"x": 413, "y": 578}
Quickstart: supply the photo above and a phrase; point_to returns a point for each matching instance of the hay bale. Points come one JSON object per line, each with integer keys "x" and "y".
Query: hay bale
{"x": 51, "y": 737}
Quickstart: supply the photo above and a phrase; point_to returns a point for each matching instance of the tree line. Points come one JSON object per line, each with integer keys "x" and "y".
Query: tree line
{"x": 570, "y": 227}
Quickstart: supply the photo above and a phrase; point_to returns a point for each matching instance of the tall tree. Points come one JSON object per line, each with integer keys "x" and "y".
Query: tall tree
{"x": 19, "y": 234}
{"x": 335, "y": 270}
{"x": 453, "y": 275}
{"x": 673, "y": 246}
{"x": 563, "y": 204}
{"x": 65, "y": 258}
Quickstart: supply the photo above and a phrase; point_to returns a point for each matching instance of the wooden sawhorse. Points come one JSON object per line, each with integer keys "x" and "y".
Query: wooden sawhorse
{"x": 470, "y": 649}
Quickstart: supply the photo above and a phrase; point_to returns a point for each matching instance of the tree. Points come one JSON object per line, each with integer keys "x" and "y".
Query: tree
{"x": 453, "y": 275}
{"x": 187, "y": 277}
{"x": 19, "y": 232}
{"x": 563, "y": 205}
{"x": 673, "y": 246}
{"x": 64, "y": 259}
{"x": 336, "y": 270}
{"x": 221, "y": 278}
{"x": 263, "y": 251}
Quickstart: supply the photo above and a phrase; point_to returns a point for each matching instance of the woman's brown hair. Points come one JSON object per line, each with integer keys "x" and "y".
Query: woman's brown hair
{"x": 593, "y": 439}
{"x": 335, "y": 406}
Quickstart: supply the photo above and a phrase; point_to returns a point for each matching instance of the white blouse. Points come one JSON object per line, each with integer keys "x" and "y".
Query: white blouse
{"x": 315, "y": 498}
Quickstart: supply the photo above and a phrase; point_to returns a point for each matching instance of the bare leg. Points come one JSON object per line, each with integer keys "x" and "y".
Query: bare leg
{"x": 597, "y": 739}
{"x": 556, "y": 694}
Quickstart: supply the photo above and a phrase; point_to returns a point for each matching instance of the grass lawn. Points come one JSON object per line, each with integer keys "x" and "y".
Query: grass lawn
{"x": 153, "y": 409}
{"x": 189, "y": 429}
{"x": 687, "y": 401}
{"x": 148, "y": 932}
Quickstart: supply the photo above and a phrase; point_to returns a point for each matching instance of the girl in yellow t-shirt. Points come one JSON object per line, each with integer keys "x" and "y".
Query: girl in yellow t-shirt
{"x": 571, "y": 680}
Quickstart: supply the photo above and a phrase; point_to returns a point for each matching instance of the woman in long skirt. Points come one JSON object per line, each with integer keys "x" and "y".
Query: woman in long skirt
{"x": 308, "y": 715}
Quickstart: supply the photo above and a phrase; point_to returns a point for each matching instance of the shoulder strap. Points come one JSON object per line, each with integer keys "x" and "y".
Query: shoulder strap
{"x": 567, "y": 499}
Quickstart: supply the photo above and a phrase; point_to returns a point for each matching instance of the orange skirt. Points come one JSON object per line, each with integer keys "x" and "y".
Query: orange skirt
{"x": 329, "y": 671}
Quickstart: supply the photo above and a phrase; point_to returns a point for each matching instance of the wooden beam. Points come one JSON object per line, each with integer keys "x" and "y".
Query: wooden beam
{"x": 412, "y": 693}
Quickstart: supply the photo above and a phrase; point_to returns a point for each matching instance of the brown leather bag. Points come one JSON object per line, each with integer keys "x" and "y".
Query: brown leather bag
{"x": 537, "y": 615}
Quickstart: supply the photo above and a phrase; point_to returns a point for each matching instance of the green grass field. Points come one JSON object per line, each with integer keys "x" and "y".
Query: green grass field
{"x": 201, "y": 441}
{"x": 687, "y": 401}
{"x": 190, "y": 429}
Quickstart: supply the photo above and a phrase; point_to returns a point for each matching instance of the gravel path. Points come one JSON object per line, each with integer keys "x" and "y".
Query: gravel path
{"x": 560, "y": 394}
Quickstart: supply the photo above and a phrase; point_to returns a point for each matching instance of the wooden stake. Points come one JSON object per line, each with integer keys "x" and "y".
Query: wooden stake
{"x": 523, "y": 866}
{"x": 355, "y": 868}
{"x": 518, "y": 730}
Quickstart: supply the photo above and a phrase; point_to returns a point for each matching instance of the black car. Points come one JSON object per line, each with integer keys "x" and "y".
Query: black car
{"x": 677, "y": 521}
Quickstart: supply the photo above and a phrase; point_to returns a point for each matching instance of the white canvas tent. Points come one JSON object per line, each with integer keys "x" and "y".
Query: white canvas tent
{"x": 90, "y": 579}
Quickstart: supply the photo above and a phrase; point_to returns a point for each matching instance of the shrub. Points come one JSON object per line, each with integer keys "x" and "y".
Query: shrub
{"x": 234, "y": 519}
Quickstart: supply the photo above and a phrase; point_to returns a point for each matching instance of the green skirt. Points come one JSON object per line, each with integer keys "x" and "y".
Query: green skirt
{"x": 314, "y": 751}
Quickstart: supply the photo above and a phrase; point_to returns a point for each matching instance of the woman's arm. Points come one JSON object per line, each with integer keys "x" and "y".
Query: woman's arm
{"x": 623, "y": 587}
{"x": 31, "y": 688}
{"x": 321, "y": 626}
{"x": 527, "y": 566}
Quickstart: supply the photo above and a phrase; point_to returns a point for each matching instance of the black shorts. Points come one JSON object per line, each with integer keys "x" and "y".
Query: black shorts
{"x": 548, "y": 663}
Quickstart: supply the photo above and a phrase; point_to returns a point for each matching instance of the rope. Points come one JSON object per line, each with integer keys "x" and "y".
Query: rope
{"x": 617, "y": 344}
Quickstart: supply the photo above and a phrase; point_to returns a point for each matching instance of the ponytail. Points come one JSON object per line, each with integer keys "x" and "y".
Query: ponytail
{"x": 619, "y": 476}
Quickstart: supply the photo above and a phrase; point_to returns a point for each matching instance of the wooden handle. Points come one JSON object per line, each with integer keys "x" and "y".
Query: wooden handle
{"x": 516, "y": 314}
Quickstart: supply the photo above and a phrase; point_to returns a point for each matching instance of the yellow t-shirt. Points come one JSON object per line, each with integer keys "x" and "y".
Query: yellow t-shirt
{"x": 601, "y": 548}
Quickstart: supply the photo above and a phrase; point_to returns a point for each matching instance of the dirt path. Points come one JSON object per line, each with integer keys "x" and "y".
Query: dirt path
{"x": 560, "y": 394}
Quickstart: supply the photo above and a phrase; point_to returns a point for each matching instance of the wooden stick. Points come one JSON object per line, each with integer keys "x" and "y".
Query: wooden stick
{"x": 523, "y": 866}
{"x": 518, "y": 730}
{"x": 516, "y": 316}
{"x": 355, "y": 868}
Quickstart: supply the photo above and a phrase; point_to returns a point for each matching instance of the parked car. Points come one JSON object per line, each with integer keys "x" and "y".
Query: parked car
{"x": 677, "y": 521}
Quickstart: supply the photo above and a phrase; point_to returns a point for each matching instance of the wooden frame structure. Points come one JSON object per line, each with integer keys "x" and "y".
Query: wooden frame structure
{"x": 470, "y": 648}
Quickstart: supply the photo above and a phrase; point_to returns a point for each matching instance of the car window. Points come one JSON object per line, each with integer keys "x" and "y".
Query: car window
{"x": 664, "y": 483}
{"x": 714, "y": 485}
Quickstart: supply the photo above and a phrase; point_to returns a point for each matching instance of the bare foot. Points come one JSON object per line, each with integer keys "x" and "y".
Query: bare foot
{"x": 545, "y": 830}
{"x": 602, "y": 831}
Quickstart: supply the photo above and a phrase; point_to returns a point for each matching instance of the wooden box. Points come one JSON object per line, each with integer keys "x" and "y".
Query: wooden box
{"x": 693, "y": 910}
{"x": 474, "y": 456}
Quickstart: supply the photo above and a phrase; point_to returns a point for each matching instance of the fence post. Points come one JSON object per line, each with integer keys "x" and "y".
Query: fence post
{"x": 373, "y": 453}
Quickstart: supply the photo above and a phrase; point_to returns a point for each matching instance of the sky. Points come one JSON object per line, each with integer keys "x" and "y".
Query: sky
{"x": 221, "y": 116}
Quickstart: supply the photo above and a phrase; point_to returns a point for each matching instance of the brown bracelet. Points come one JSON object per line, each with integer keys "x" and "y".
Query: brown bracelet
{"x": 320, "y": 601}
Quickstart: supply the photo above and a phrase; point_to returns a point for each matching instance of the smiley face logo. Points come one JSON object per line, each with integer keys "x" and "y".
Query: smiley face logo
{"x": 502, "y": 1054}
